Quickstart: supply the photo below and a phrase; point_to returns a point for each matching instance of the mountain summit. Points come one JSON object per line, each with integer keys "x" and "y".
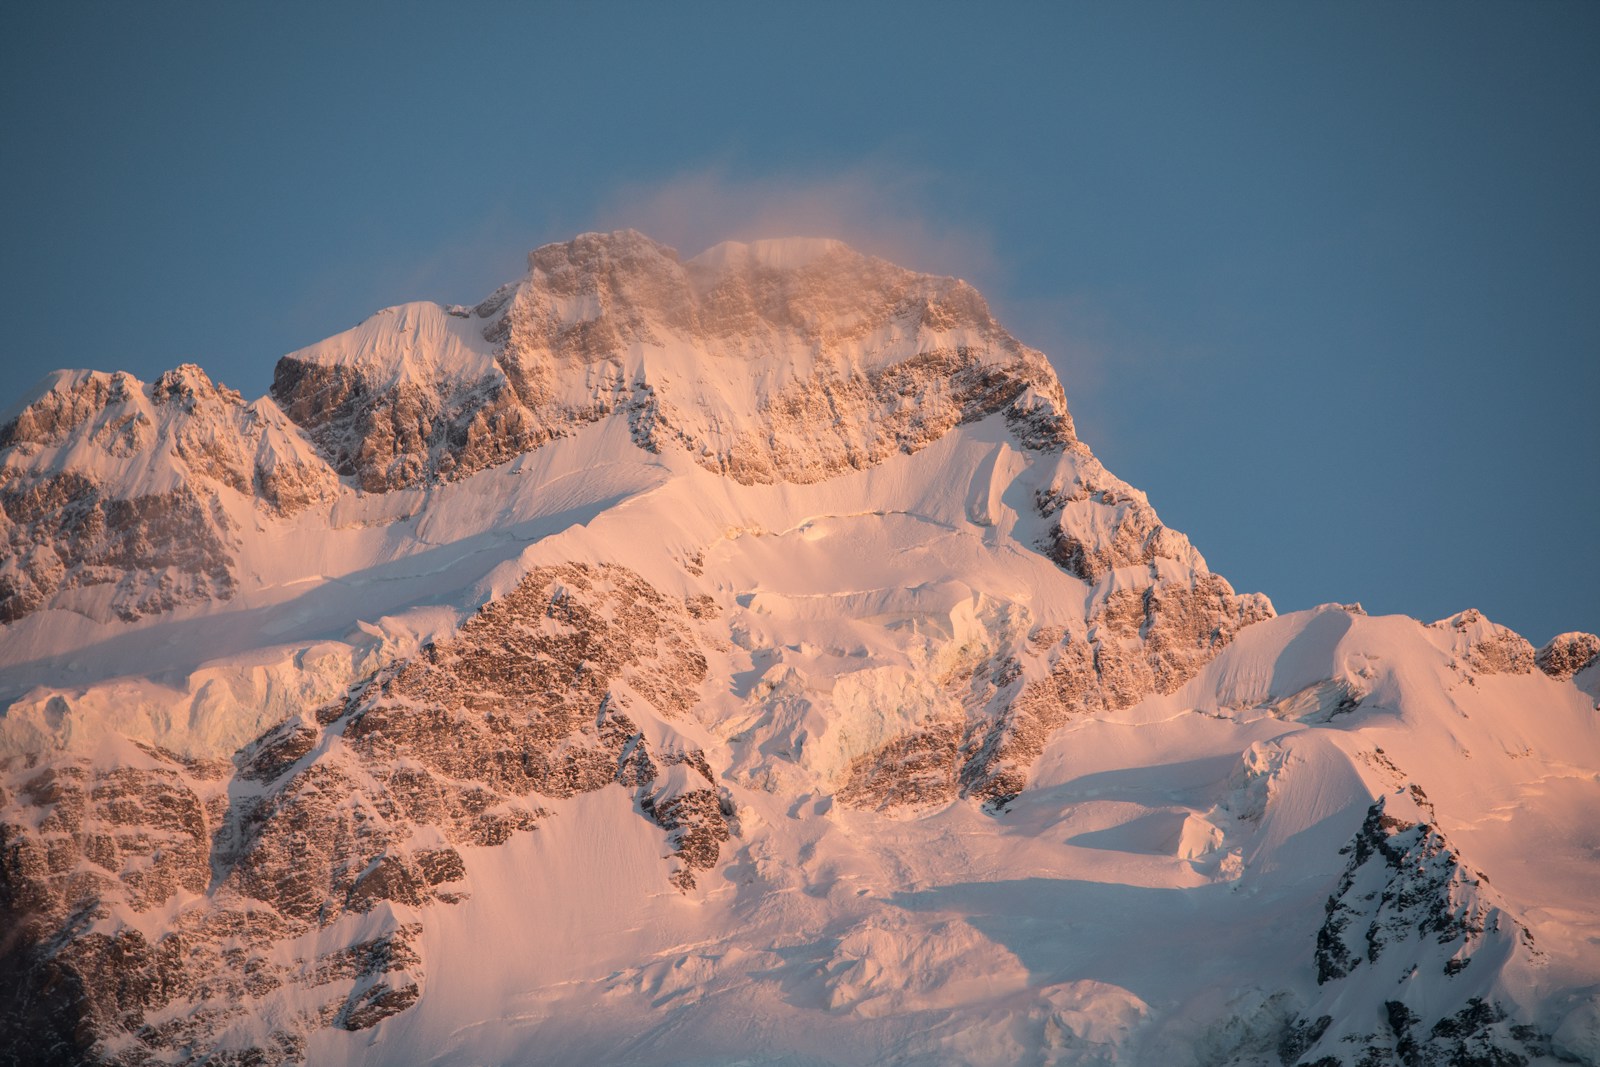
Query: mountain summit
{"x": 732, "y": 659}
{"x": 777, "y": 361}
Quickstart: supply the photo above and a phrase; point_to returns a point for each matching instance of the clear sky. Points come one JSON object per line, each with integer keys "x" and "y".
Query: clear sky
{"x": 1323, "y": 279}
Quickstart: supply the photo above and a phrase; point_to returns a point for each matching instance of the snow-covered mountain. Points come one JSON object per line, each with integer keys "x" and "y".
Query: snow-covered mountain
{"x": 733, "y": 660}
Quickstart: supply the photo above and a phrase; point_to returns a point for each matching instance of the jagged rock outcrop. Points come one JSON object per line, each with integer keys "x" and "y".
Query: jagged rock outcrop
{"x": 1098, "y": 523}
{"x": 1567, "y": 654}
{"x": 1404, "y": 883}
{"x": 1137, "y": 642}
{"x": 389, "y": 431}
{"x": 88, "y": 847}
{"x": 1485, "y": 647}
{"x": 1406, "y": 904}
{"x": 532, "y": 699}
{"x": 151, "y": 553}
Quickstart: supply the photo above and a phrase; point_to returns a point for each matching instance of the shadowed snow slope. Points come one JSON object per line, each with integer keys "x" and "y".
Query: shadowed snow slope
{"x": 733, "y": 660}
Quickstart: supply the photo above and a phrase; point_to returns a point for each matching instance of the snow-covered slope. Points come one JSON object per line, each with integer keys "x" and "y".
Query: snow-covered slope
{"x": 733, "y": 660}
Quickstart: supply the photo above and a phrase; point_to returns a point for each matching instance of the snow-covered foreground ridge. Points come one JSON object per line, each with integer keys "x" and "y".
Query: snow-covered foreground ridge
{"x": 733, "y": 660}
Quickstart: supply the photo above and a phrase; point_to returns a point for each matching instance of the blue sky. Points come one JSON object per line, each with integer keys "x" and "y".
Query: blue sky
{"x": 1324, "y": 280}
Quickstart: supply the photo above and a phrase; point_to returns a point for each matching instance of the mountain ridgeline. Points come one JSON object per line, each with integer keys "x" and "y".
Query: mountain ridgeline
{"x": 733, "y": 659}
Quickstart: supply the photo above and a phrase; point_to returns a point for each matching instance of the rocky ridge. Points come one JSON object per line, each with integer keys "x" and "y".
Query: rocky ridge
{"x": 107, "y": 481}
{"x": 892, "y": 360}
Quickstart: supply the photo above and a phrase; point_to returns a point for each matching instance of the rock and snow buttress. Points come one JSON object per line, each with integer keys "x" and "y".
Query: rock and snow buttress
{"x": 733, "y": 660}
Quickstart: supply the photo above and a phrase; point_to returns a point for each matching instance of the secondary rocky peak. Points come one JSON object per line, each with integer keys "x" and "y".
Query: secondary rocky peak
{"x": 191, "y": 386}
{"x": 1567, "y": 654}
{"x": 115, "y": 495}
{"x": 64, "y": 402}
{"x": 1485, "y": 646}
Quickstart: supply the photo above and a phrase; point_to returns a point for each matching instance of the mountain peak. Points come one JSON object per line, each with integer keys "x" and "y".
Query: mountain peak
{"x": 594, "y": 246}
{"x": 785, "y": 360}
{"x": 775, "y": 578}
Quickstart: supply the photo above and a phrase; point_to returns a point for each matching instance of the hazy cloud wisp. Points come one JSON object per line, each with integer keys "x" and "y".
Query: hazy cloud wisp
{"x": 871, "y": 208}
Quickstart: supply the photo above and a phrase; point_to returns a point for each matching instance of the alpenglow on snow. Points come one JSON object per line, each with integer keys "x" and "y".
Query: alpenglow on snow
{"x": 735, "y": 659}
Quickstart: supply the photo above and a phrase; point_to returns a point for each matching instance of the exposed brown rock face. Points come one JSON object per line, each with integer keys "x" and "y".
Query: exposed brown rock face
{"x": 531, "y": 698}
{"x": 1567, "y": 654}
{"x": 831, "y": 424}
{"x": 108, "y": 483}
{"x": 65, "y": 529}
{"x": 51, "y": 418}
{"x": 1098, "y": 528}
{"x": 1488, "y": 648}
{"x": 921, "y": 768}
{"x": 1136, "y": 643}
{"x": 335, "y": 814}
{"x": 405, "y": 434}
{"x": 80, "y": 847}
{"x": 154, "y": 551}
